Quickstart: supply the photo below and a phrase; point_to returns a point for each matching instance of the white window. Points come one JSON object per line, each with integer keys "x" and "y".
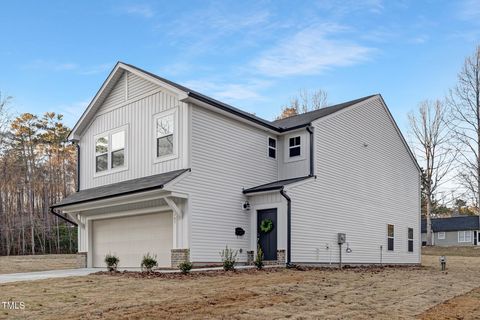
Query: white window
{"x": 441, "y": 235}
{"x": 464, "y": 236}
{"x": 110, "y": 151}
{"x": 272, "y": 147}
{"x": 166, "y": 129}
{"x": 390, "y": 237}
{"x": 294, "y": 146}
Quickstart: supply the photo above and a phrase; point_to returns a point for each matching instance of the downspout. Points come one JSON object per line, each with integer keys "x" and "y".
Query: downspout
{"x": 52, "y": 211}
{"x": 312, "y": 165}
{"x": 289, "y": 226}
{"x": 78, "y": 166}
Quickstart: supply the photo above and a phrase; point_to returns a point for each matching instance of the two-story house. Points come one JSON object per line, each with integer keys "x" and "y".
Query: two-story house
{"x": 169, "y": 171}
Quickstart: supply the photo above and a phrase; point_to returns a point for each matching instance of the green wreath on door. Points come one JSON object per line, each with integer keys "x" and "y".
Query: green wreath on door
{"x": 266, "y": 225}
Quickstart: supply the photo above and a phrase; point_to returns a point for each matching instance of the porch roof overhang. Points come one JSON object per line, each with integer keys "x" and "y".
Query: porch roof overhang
{"x": 274, "y": 186}
{"x": 121, "y": 190}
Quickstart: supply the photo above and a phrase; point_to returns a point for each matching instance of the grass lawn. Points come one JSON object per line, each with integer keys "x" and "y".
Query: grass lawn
{"x": 390, "y": 293}
{"x": 14, "y": 264}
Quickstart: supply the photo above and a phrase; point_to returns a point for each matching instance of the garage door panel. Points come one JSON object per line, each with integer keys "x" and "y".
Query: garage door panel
{"x": 131, "y": 237}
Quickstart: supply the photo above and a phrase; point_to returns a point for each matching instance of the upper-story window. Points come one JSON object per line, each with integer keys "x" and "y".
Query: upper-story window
{"x": 294, "y": 146}
{"x": 272, "y": 147}
{"x": 110, "y": 150}
{"x": 166, "y": 129}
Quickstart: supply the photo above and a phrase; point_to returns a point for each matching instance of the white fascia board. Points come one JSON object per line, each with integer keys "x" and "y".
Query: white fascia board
{"x": 73, "y": 136}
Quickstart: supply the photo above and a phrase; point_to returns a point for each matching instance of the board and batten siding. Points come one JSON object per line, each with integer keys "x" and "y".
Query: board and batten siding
{"x": 226, "y": 156}
{"x": 366, "y": 179}
{"x": 136, "y": 114}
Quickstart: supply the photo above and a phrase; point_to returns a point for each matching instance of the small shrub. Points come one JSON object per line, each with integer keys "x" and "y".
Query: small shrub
{"x": 111, "y": 261}
{"x": 185, "y": 267}
{"x": 259, "y": 258}
{"x": 229, "y": 257}
{"x": 149, "y": 262}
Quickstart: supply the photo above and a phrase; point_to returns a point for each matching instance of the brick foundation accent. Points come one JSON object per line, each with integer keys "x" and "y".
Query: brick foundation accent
{"x": 281, "y": 257}
{"x": 250, "y": 257}
{"x": 178, "y": 256}
{"x": 81, "y": 260}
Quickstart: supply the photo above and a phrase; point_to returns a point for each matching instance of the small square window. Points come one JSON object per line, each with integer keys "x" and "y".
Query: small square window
{"x": 441, "y": 235}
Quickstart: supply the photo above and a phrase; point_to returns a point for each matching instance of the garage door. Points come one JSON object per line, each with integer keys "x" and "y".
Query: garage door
{"x": 131, "y": 237}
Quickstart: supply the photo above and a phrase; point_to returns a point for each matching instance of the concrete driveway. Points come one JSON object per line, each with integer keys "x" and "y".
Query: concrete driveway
{"x": 39, "y": 275}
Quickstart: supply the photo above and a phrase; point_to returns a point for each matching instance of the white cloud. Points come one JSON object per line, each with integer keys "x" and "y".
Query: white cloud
{"x": 311, "y": 51}
{"x": 141, "y": 10}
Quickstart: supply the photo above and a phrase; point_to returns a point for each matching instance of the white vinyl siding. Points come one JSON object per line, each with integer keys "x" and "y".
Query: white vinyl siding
{"x": 227, "y": 155}
{"x": 297, "y": 166}
{"x": 358, "y": 190}
{"x": 138, "y": 114}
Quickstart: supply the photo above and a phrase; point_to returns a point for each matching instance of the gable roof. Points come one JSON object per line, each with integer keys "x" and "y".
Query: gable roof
{"x": 283, "y": 125}
{"x": 459, "y": 223}
{"x": 276, "y": 185}
{"x": 308, "y": 117}
{"x": 157, "y": 181}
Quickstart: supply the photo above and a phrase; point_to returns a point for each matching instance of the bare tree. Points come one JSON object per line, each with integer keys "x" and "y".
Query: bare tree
{"x": 4, "y": 117}
{"x": 304, "y": 102}
{"x": 464, "y": 101}
{"x": 431, "y": 135}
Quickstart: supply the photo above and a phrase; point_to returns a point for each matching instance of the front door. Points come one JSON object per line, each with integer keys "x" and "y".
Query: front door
{"x": 475, "y": 237}
{"x": 267, "y": 238}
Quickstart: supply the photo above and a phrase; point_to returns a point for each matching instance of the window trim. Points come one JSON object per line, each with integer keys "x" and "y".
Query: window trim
{"x": 269, "y": 147}
{"x": 157, "y": 116}
{"x": 109, "y": 134}
{"x": 465, "y": 232}
{"x": 410, "y": 239}
{"x": 441, "y": 237}
{"x": 388, "y": 237}
{"x": 286, "y": 145}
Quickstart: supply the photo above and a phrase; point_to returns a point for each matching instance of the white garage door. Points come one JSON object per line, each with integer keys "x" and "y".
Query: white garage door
{"x": 131, "y": 237}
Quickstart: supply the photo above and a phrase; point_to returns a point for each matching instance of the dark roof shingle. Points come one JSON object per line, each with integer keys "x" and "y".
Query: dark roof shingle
{"x": 453, "y": 224}
{"x": 121, "y": 188}
{"x": 277, "y": 125}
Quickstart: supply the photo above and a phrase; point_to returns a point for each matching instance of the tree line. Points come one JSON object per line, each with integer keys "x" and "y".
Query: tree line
{"x": 445, "y": 136}
{"x": 37, "y": 168}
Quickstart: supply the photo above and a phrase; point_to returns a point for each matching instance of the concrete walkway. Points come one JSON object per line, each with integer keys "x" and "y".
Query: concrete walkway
{"x": 39, "y": 275}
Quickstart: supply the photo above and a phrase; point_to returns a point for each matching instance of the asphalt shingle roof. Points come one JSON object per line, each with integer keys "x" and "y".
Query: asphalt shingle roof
{"x": 453, "y": 224}
{"x": 276, "y": 185}
{"x": 121, "y": 188}
{"x": 278, "y": 125}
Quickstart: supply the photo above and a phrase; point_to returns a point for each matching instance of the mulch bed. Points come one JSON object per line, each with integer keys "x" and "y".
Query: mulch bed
{"x": 214, "y": 273}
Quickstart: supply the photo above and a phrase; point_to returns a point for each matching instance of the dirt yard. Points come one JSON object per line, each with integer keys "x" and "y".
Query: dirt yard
{"x": 14, "y": 264}
{"x": 389, "y": 293}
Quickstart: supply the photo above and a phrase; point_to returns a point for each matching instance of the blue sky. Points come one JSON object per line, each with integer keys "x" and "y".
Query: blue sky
{"x": 255, "y": 55}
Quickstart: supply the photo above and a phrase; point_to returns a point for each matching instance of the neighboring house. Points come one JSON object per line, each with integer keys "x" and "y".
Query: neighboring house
{"x": 453, "y": 231}
{"x": 169, "y": 171}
